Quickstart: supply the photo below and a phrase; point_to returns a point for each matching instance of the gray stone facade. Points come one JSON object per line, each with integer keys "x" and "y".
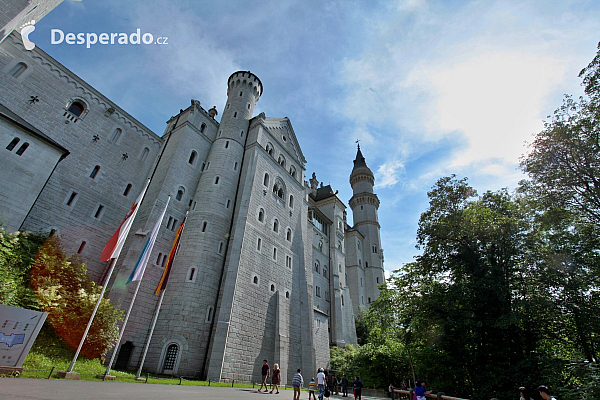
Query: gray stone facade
{"x": 268, "y": 267}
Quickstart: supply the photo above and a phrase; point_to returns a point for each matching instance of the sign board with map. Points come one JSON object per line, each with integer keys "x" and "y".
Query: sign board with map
{"x": 18, "y": 329}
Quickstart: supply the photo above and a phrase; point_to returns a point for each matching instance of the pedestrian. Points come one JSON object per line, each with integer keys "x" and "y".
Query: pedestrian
{"x": 297, "y": 383}
{"x": 265, "y": 374}
{"x": 344, "y": 386}
{"x": 321, "y": 381}
{"x": 311, "y": 388}
{"x": 332, "y": 383}
{"x": 357, "y": 388}
{"x": 523, "y": 395}
{"x": 276, "y": 378}
{"x": 545, "y": 393}
{"x": 420, "y": 390}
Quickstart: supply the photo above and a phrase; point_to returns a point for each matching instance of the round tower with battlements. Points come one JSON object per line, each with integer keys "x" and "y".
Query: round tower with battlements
{"x": 186, "y": 321}
{"x": 364, "y": 204}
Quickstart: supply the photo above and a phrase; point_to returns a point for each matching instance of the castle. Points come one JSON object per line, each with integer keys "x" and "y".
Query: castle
{"x": 268, "y": 267}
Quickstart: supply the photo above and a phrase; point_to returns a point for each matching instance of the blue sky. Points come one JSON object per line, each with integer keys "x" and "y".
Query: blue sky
{"x": 431, "y": 88}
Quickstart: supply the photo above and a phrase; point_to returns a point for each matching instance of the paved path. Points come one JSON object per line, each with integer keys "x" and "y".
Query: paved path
{"x": 55, "y": 389}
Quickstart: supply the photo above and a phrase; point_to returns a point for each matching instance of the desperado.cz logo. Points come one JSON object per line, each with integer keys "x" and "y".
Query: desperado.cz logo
{"x": 57, "y": 36}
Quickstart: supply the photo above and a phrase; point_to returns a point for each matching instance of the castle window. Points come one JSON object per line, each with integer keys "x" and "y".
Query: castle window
{"x": 158, "y": 258}
{"x": 202, "y": 128}
{"x": 227, "y": 144}
{"x": 342, "y": 300}
{"x": 369, "y": 300}
{"x": 255, "y": 280}
{"x": 361, "y": 207}
{"x": 258, "y": 244}
{"x": 235, "y": 164}
{"x": 288, "y": 235}
{"x": 95, "y": 172}
{"x": 12, "y": 144}
{"x": 288, "y": 261}
{"x": 241, "y": 93}
{"x": 207, "y": 165}
{"x": 274, "y": 253}
{"x": 374, "y": 249}
{"x": 170, "y": 223}
{"x": 361, "y": 284}
{"x": 269, "y": 149}
{"x": 235, "y": 114}
{"x": 193, "y": 157}
{"x": 377, "y": 279}
{"x": 220, "y": 133}
{"x": 272, "y": 287}
{"x": 291, "y": 201}
{"x": 171, "y": 357}
{"x": 18, "y": 70}
{"x": 339, "y": 245}
{"x": 227, "y": 203}
{"x": 179, "y": 194}
{"x": 116, "y": 135}
{"x": 76, "y": 108}
{"x": 202, "y": 167}
{"x": 242, "y": 134}
{"x": 276, "y": 226}
{"x": 216, "y": 180}
{"x": 81, "y": 247}
{"x": 145, "y": 154}
{"x": 317, "y": 291}
{"x": 248, "y": 106}
{"x": 265, "y": 180}
{"x": 99, "y": 211}
{"x": 220, "y": 248}
{"x": 281, "y": 160}
{"x": 209, "y": 314}
{"x": 358, "y": 245}
{"x": 287, "y": 295}
{"x": 340, "y": 267}
{"x": 175, "y": 221}
{"x": 204, "y": 225}
{"x": 71, "y": 199}
{"x": 325, "y": 272}
{"x": 191, "y": 274}
{"x": 317, "y": 267}
{"x": 321, "y": 246}
{"x": 261, "y": 215}
{"x": 293, "y": 171}
{"x": 22, "y": 149}
{"x": 164, "y": 261}
{"x": 127, "y": 189}
{"x": 366, "y": 264}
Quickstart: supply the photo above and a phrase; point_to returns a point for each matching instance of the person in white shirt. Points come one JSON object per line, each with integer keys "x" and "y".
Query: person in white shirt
{"x": 321, "y": 381}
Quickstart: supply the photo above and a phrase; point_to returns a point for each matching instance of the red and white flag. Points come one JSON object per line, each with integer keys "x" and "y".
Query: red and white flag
{"x": 115, "y": 244}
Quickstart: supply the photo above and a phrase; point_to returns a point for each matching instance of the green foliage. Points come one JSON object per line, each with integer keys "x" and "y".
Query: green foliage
{"x": 17, "y": 251}
{"x": 67, "y": 293}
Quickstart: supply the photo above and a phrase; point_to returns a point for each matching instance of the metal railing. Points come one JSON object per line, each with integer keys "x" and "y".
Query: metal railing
{"x": 401, "y": 394}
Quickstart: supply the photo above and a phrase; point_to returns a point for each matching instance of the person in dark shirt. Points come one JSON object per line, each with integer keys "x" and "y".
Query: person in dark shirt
{"x": 265, "y": 375}
{"x": 344, "y": 383}
{"x": 357, "y": 388}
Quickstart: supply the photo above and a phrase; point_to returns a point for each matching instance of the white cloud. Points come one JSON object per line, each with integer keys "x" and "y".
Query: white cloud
{"x": 389, "y": 174}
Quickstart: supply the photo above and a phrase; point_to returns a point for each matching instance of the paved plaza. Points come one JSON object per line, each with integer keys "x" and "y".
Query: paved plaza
{"x": 54, "y": 389}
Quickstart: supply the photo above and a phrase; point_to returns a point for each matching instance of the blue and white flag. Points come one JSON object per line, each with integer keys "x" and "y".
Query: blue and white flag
{"x": 140, "y": 267}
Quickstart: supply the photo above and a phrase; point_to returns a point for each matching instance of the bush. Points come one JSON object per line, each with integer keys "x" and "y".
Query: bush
{"x": 68, "y": 295}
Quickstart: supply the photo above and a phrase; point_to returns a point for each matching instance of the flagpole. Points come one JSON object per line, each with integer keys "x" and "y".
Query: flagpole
{"x": 89, "y": 324}
{"x": 155, "y": 232}
{"x": 156, "y": 312}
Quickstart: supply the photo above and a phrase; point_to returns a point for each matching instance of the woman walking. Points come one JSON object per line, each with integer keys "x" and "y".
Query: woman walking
{"x": 275, "y": 378}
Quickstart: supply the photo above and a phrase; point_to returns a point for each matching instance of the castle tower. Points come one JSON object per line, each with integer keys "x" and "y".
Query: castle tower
{"x": 186, "y": 320}
{"x": 364, "y": 204}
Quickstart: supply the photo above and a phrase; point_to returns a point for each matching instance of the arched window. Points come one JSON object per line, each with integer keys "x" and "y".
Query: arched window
{"x": 180, "y": 194}
{"x": 22, "y": 149}
{"x": 317, "y": 266}
{"x": 193, "y": 157}
{"x": 281, "y": 160}
{"x": 288, "y": 235}
{"x": 18, "y": 70}
{"x": 202, "y": 128}
{"x": 272, "y": 287}
{"x": 321, "y": 246}
{"x": 293, "y": 171}
{"x": 171, "y": 357}
{"x": 95, "y": 171}
{"x": 255, "y": 280}
{"x": 12, "y": 144}
{"x": 265, "y": 180}
{"x": 276, "y": 225}
{"x": 76, "y": 108}
{"x": 261, "y": 215}
{"x": 127, "y": 189}
{"x": 116, "y": 135}
{"x": 145, "y": 154}
{"x": 291, "y": 201}
{"x": 269, "y": 149}
{"x": 377, "y": 279}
